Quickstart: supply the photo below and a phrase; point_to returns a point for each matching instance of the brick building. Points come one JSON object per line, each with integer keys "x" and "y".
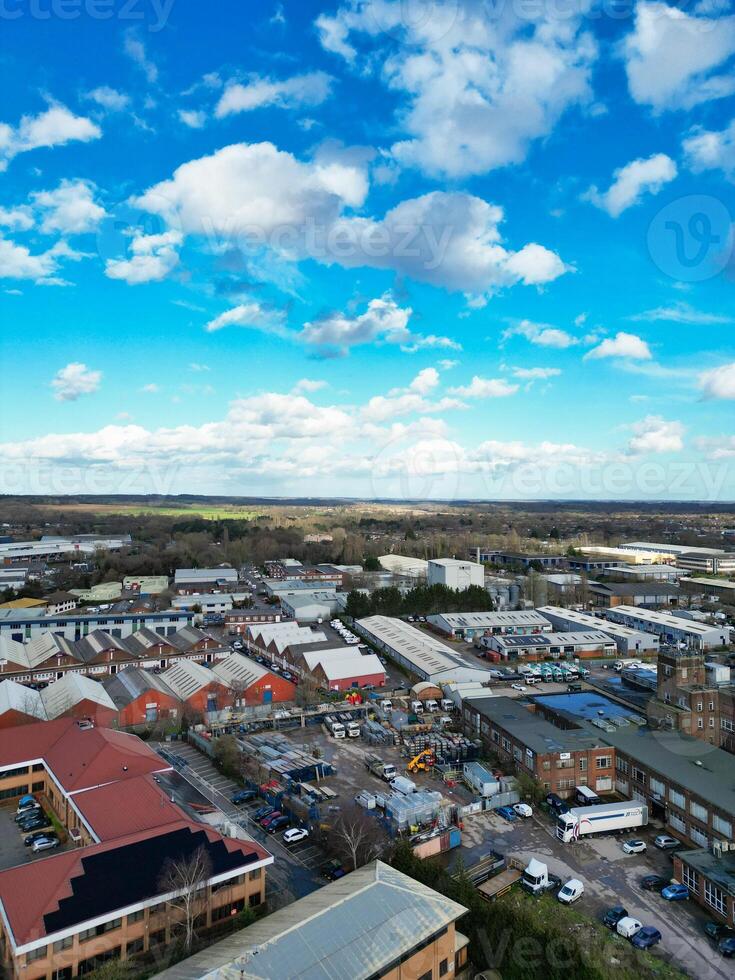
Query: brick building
{"x": 142, "y": 698}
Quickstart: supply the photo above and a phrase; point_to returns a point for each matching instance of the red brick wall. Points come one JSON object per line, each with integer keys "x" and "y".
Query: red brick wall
{"x": 134, "y": 713}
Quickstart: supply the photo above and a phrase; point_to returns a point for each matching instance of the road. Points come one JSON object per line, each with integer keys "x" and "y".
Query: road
{"x": 610, "y": 878}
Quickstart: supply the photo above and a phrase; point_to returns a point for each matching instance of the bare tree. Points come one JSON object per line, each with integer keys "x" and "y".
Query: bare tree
{"x": 359, "y": 836}
{"x": 186, "y": 880}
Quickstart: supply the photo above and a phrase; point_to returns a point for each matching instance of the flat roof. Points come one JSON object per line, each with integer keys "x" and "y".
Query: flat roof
{"x": 656, "y": 618}
{"x": 720, "y": 870}
{"x": 480, "y": 620}
{"x": 358, "y": 926}
{"x": 552, "y": 639}
{"x": 540, "y": 735}
{"x": 709, "y": 582}
{"x": 593, "y": 622}
{"x": 696, "y": 766}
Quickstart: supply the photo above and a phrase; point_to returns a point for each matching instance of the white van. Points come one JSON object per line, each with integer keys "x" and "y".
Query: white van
{"x": 571, "y": 891}
{"x": 628, "y": 926}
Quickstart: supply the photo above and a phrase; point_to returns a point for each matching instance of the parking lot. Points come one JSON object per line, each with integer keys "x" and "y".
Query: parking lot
{"x": 12, "y": 849}
{"x": 610, "y": 877}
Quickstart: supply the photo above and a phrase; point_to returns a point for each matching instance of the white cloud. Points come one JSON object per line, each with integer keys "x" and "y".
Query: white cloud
{"x": 70, "y": 209}
{"x": 632, "y": 181}
{"x": 135, "y": 50}
{"x": 719, "y": 382}
{"x": 308, "y": 385}
{"x": 654, "y": 434}
{"x": 485, "y": 388}
{"x": 536, "y": 373}
{"x": 17, "y": 262}
{"x": 153, "y": 257}
{"x": 621, "y": 345}
{"x": 108, "y": 98}
{"x": 541, "y": 334}
{"x": 251, "y": 314}
{"x": 258, "y": 197}
{"x": 717, "y": 447}
{"x": 675, "y": 60}
{"x": 425, "y": 381}
{"x": 193, "y": 118}
{"x": 16, "y": 219}
{"x": 150, "y": 389}
{"x": 198, "y": 368}
{"x": 447, "y": 364}
{"x": 711, "y": 150}
{"x": 477, "y": 89}
{"x": 310, "y": 89}
{"x": 75, "y": 380}
{"x": 681, "y": 313}
{"x": 53, "y": 127}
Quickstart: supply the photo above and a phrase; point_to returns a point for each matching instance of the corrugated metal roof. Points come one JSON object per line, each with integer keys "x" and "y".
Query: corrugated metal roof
{"x": 350, "y": 929}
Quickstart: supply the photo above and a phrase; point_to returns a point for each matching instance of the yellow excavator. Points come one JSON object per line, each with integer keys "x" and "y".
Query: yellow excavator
{"x": 421, "y": 762}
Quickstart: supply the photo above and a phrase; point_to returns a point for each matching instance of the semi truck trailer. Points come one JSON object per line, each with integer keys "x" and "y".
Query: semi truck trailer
{"x": 606, "y": 818}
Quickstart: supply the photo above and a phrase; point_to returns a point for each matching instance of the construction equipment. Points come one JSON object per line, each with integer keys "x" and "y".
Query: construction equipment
{"x": 421, "y": 762}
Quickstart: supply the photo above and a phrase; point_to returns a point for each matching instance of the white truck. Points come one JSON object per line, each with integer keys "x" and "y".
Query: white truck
{"x": 536, "y": 878}
{"x": 583, "y": 820}
{"x": 335, "y": 727}
{"x": 403, "y": 785}
{"x": 353, "y": 729}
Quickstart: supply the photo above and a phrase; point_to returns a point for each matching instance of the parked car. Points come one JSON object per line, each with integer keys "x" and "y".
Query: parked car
{"x": 263, "y": 811}
{"x": 718, "y": 930}
{"x": 273, "y": 815}
{"x": 613, "y": 916}
{"x": 666, "y": 843}
{"x": 27, "y": 811}
{"x": 37, "y": 835}
{"x": 294, "y": 835}
{"x": 654, "y": 883}
{"x": 25, "y": 803}
{"x": 333, "y": 870}
{"x": 519, "y": 687}
{"x": 243, "y": 796}
{"x": 507, "y": 813}
{"x": 571, "y": 891}
{"x": 278, "y": 824}
{"x": 627, "y": 927}
{"x": 45, "y": 844}
{"x": 675, "y": 893}
{"x": 634, "y": 846}
{"x": 34, "y": 823}
{"x": 523, "y": 809}
{"x": 646, "y": 937}
{"x": 727, "y": 946}
{"x": 556, "y": 803}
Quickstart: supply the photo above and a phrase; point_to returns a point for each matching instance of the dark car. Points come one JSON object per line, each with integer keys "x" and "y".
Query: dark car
{"x": 280, "y": 823}
{"x": 727, "y": 946}
{"x": 333, "y": 870}
{"x": 271, "y": 816}
{"x": 27, "y": 812}
{"x": 613, "y": 916}
{"x": 646, "y": 937}
{"x": 718, "y": 930}
{"x": 243, "y": 796}
{"x": 653, "y": 883}
{"x": 557, "y": 804}
{"x": 37, "y": 835}
{"x": 36, "y": 823}
{"x": 263, "y": 811}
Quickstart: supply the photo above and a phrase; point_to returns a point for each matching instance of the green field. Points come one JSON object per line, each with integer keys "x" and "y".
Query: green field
{"x": 207, "y": 512}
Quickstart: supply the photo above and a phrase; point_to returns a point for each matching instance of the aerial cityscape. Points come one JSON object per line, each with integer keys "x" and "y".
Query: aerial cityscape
{"x": 367, "y": 490}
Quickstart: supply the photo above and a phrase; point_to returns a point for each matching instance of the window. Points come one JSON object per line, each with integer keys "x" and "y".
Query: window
{"x": 427, "y": 976}
{"x": 9, "y": 794}
{"x": 700, "y": 724}
{"x": 90, "y": 965}
{"x": 722, "y": 826}
{"x": 700, "y": 706}
{"x": 711, "y": 706}
{"x": 254, "y": 875}
{"x": 677, "y": 798}
{"x": 621, "y": 765}
{"x": 9, "y": 773}
{"x": 37, "y": 787}
{"x": 603, "y": 761}
{"x": 443, "y": 968}
{"x": 157, "y": 938}
{"x": 698, "y": 812}
{"x": 36, "y": 954}
{"x": 136, "y": 916}
{"x": 714, "y": 897}
{"x": 689, "y": 877}
{"x": 254, "y": 900}
{"x": 100, "y": 930}
{"x": 135, "y": 946}
{"x": 66, "y": 943}
{"x": 583, "y": 764}
{"x": 677, "y": 823}
{"x": 698, "y": 837}
{"x": 639, "y": 775}
{"x": 657, "y": 786}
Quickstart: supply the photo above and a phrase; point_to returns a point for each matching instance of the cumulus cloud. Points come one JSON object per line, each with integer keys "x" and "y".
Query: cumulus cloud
{"x": 75, "y": 380}
{"x": 485, "y": 388}
{"x": 632, "y": 182}
{"x": 718, "y": 382}
{"x": 307, "y": 90}
{"x": 251, "y": 314}
{"x": 711, "y": 150}
{"x": 476, "y": 90}
{"x": 655, "y": 434}
{"x": 256, "y": 197}
{"x": 623, "y": 344}
{"x": 309, "y": 385}
{"x": 536, "y": 373}
{"x": 108, "y": 98}
{"x": 681, "y": 313}
{"x": 193, "y": 118}
{"x": 676, "y": 60}
{"x": 18, "y": 262}
{"x": 16, "y": 219}
{"x": 55, "y": 126}
{"x": 152, "y": 258}
{"x": 541, "y": 334}
{"x": 70, "y": 209}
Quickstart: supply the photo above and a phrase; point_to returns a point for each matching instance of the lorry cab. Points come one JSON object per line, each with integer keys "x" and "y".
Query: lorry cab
{"x": 417, "y": 707}
{"x": 447, "y": 704}
{"x": 432, "y": 705}
{"x": 386, "y": 704}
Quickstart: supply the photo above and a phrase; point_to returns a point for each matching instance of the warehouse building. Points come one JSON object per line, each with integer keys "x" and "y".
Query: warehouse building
{"x": 611, "y": 594}
{"x": 629, "y": 641}
{"x": 631, "y": 556}
{"x": 238, "y": 620}
{"x": 332, "y": 933}
{"x": 250, "y": 683}
{"x": 27, "y": 624}
{"x": 455, "y": 574}
{"x": 706, "y": 563}
{"x": 418, "y": 652}
{"x": 142, "y": 698}
{"x": 709, "y": 874}
{"x": 686, "y": 783}
{"x": 708, "y": 588}
{"x": 671, "y": 629}
{"x": 403, "y": 565}
{"x": 466, "y": 626}
{"x": 558, "y": 759}
{"x": 517, "y": 559}
{"x": 311, "y": 606}
{"x": 198, "y": 687}
{"x": 536, "y": 646}
{"x": 349, "y": 671}
{"x": 145, "y": 584}
{"x": 51, "y": 546}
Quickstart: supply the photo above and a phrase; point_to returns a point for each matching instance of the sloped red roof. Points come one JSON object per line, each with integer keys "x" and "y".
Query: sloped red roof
{"x": 128, "y": 806}
{"x": 34, "y": 890}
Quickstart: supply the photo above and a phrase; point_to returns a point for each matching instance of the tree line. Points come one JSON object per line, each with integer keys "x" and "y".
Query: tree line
{"x": 423, "y": 600}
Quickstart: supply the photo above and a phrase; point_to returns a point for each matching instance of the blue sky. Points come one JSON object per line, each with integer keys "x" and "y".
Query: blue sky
{"x": 452, "y": 249}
